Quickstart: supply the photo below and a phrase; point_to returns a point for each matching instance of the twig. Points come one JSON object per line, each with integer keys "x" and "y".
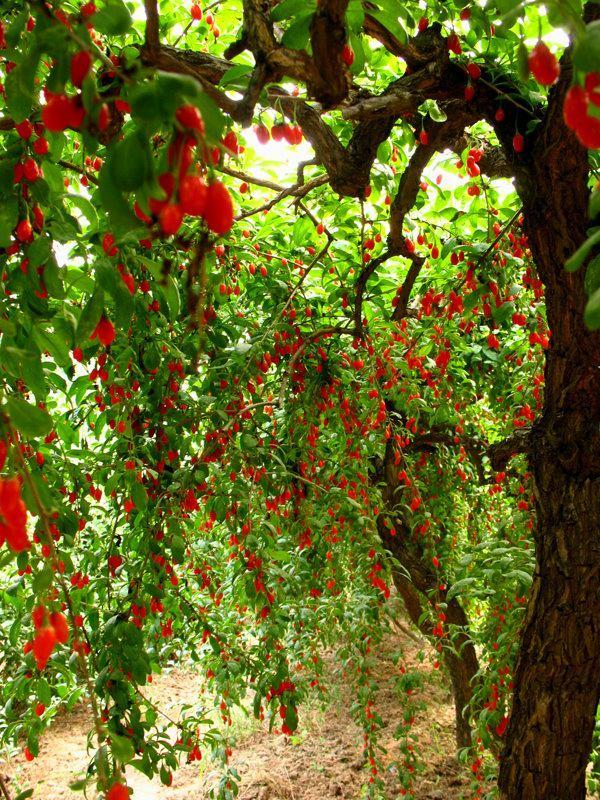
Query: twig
{"x": 291, "y": 191}
{"x": 4, "y": 789}
{"x": 152, "y": 24}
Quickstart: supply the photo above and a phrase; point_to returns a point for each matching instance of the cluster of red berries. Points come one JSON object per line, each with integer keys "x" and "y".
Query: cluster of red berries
{"x": 195, "y": 198}
{"x": 13, "y": 516}
{"x": 292, "y": 134}
{"x": 51, "y": 629}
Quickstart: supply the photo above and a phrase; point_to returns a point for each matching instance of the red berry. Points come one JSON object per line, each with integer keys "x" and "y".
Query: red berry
{"x": 192, "y": 195}
{"x": 588, "y": 133}
{"x": 39, "y": 709}
{"x": 40, "y": 146}
{"x": 465, "y": 14}
{"x": 499, "y": 115}
{"x": 518, "y": 143}
{"x": 592, "y": 87}
{"x": 196, "y": 12}
{"x": 104, "y": 117}
{"x": 474, "y": 71}
{"x": 88, "y": 9}
{"x": 424, "y": 138}
{"x": 117, "y": 792}
{"x": 104, "y": 332}
{"x": 218, "y": 214}
{"x": 469, "y": 93}
{"x": 24, "y": 231}
{"x": 575, "y": 107}
{"x": 453, "y": 44}
{"x": 81, "y": 63}
{"x": 43, "y": 645}
{"x": 190, "y": 117}
{"x": 61, "y": 627}
{"x": 31, "y": 170}
{"x": 544, "y": 65}
{"x": 108, "y": 244}
{"x": 423, "y": 23}
{"x": 348, "y": 55}
{"x": 493, "y": 342}
{"x": 38, "y": 218}
{"x": 140, "y": 214}
{"x": 230, "y": 142}
{"x": 61, "y": 112}
{"x": 24, "y": 129}
{"x": 262, "y": 133}
{"x": 78, "y": 354}
{"x": 170, "y": 218}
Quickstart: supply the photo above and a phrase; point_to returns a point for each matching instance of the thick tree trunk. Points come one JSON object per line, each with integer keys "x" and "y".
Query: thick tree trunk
{"x": 462, "y": 665}
{"x": 557, "y": 676}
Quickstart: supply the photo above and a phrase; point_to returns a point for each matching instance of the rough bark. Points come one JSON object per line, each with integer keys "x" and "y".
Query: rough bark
{"x": 557, "y": 676}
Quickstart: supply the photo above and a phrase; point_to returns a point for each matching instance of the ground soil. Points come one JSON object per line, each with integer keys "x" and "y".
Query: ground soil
{"x": 323, "y": 761}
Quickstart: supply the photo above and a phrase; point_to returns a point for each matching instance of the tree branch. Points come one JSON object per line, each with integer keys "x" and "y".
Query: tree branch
{"x": 152, "y": 41}
{"x": 501, "y": 453}
{"x": 328, "y": 36}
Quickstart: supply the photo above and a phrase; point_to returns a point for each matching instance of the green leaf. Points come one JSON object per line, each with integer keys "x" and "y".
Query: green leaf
{"x": 302, "y": 232}
{"x": 122, "y": 748}
{"x": 291, "y": 717}
{"x": 592, "y": 276}
{"x": 122, "y": 219}
{"x": 434, "y": 111}
{"x": 355, "y": 15}
{"x": 291, "y": 8}
{"x": 27, "y": 418}
{"x": 55, "y": 343}
{"x": 592, "y": 311}
{"x": 579, "y": 256}
{"x": 90, "y": 316}
{"x": 87, "y": 209}
{"x": 236, "y": 76}
{"x": 9, "y": 216}
{"x": 391, "y": 23}
{"x": 146, "y": 104}
{"x": 114, "y": 18}
{"x": 456, "y": 587}
{"x": 39, "y": 251}
{"x": 297, "y": 35}
{"x": 170, "y": 292}
{"x": 43, "y": 691}
{"x": 17, "y": 26}
{"x": 248, "y": 441}
{"x": 24, "y": 794}
{"x": 20, "y": 87}
{"x": 139, "y": 496}
{"x": 586, "y": 55}
{"x": 130, "y": 162}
